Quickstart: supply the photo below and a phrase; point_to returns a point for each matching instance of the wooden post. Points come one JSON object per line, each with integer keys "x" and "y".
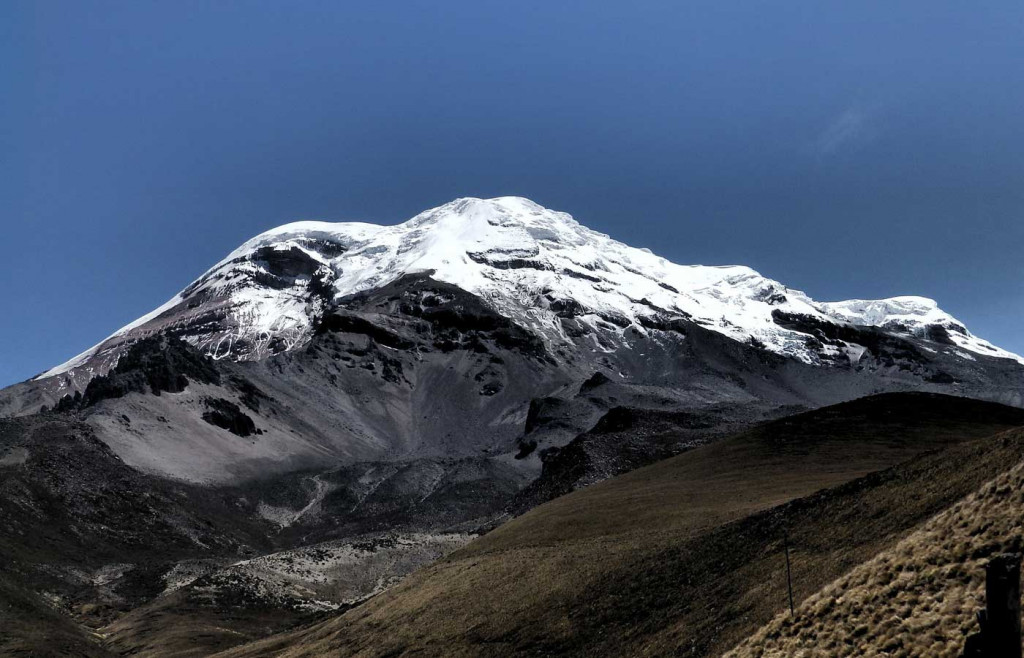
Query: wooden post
{"x": 1002, "y": 606}
{"x": 789, "y": 576}
{"x": 999, "y": 622}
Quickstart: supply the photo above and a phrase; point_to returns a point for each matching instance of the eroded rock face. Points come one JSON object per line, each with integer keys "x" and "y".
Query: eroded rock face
{"x": 153, "y": 365}
{"x": 286, "y": 264}
{"x": 227, "y": 415}
{"x": 453, "y": 318}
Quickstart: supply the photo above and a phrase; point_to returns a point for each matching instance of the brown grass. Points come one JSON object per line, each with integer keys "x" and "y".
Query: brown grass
{"x": 916, "y": 599}
{"x": 31, "y": 626}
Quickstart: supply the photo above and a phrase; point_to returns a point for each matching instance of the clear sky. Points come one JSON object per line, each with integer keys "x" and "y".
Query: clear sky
{"x": 849, "y": 149}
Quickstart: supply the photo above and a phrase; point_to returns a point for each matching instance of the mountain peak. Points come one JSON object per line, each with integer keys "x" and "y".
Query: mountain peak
{"x": 529, "y": 263}
{"x": 510, "y": 207}
{"x": 517, "y": 219}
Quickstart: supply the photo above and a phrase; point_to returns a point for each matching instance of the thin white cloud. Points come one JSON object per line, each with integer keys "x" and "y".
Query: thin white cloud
{"x": 848, "y": 129}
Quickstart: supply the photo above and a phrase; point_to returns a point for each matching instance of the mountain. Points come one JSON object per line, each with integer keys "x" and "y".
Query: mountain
{"x": 334, "y": 405}
{"x": 440, "y": 336}
{"x": 539, "y": 268}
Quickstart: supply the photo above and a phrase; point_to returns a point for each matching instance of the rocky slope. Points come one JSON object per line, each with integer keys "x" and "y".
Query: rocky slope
{"x": 436, "y": 338}
{"x": 685, "y": 557}
{"x": 92, "y": 548}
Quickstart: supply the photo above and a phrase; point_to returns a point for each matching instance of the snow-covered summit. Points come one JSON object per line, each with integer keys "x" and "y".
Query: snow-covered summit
{"x": 914, "y": 315}
{"x": 910, "y": 311}
{"x": 522, "y": 259}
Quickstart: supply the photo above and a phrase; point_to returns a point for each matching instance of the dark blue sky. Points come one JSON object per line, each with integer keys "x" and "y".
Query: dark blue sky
{"x": 851, "y": 149}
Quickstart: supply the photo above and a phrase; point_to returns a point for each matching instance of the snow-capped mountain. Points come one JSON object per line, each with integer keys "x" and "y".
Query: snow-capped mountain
{"x": 353, "y": 382}
{"x": 571, "y": 286}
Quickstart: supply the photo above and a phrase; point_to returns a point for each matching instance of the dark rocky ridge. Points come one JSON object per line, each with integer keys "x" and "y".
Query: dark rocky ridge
{"x": 453, "y": 318}
{"x": 154, "y": 365}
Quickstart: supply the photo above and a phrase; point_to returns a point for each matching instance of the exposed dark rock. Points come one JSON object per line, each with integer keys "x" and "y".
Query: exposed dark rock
{"x": 544, "y": 412}
{"x": 340, "y": 321}
{"x": 491, "y": 388}
{"x": 456, "y": 319}
{"x": 580, "y": 275}
{"x": 250, "y": 393}
{"x": 156, "y": 365}
{"x": 568, "y": 308}
{"x": 226, "y": 415}
{"x": 677, "y": 325}
{"x": 889, "y": 349}
{"x": 391, "y": 368}
{"x": 526, "y": 448}
{"x": 575, "y": 328}
{"x": 595, "y": 380}
{"x": 620, "y": 321}
{"x": 509, "y": 263}
{"x": 292, "y": 262}
{"x": 938, "y": 334}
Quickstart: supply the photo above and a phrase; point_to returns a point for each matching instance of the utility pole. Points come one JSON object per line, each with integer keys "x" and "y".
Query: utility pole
{"x": 789, "y": 575}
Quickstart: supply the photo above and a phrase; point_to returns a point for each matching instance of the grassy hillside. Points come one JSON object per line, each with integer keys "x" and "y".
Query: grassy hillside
{"x": 684, "y": 556}
{"x": 917, "y": 598}
{"x": 30, "y": 626}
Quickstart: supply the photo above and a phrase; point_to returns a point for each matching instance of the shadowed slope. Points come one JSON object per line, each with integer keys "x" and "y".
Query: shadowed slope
{"x": 29, "y": 626}
{"x": 663, "y": 559}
